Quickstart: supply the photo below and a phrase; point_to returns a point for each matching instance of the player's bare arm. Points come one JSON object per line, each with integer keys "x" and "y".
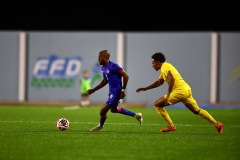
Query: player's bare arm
{"x": 125, "y": 81}
{"x": 100, "y": 85}
{"x": 158, "y": 83}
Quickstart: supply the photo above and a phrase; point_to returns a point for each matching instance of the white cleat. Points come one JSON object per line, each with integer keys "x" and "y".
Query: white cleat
{"x": 139, "y": 117}
{"x": 97, "y": 128}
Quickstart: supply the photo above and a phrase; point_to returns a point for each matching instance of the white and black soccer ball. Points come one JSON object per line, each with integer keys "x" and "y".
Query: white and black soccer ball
{"x": 62, "y": 124}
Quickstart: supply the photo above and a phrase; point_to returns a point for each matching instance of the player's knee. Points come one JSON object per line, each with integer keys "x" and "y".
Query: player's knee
{"x": 196, "y": 111}
{"x": 114, "y": 110}
{"x": 159, "y": 104}
{"x": 102, "y": 112}
{"x": 167, "y": 103}
{"x": 193, "y": 108}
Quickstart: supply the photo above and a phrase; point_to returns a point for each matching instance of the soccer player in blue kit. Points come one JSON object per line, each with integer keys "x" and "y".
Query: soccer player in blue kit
{"x": 117, "y": 80}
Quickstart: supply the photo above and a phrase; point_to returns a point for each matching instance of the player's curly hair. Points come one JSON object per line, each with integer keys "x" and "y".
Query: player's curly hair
{"x": 159, "y": 57}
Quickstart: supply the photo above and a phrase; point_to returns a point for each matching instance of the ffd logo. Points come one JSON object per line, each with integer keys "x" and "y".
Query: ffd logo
{"x": 56, "y": 72}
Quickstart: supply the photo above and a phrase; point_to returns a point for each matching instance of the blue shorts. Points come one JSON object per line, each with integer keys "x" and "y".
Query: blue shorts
{"x": 113, "y": 99}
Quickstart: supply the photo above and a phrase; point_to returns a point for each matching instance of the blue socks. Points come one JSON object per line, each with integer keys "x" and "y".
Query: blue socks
{"x": 102, "y": 119}
{"x": 121, "y": 111}
{"x": 126, "y": 112}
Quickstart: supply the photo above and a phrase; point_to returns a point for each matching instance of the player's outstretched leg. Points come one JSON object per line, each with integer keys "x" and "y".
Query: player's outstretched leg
{"x": 204, "y": 114}
{"x": 124, "y": 111}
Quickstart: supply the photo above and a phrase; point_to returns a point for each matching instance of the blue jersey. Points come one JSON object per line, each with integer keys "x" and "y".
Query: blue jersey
{"x": 113, "y": 76}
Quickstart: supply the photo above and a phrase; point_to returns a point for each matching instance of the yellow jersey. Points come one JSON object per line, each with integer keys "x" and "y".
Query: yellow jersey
{"x": 179, "y": 81}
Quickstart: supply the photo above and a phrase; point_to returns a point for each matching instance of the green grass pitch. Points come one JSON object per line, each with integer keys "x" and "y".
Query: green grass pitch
{"x": 30, "y": 133}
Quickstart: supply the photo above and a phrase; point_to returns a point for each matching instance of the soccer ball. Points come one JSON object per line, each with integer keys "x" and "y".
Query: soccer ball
{"x": 62, "y": 124}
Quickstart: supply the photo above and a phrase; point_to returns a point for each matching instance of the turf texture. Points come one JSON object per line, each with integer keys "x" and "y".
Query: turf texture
{"x": 30, "y": 133}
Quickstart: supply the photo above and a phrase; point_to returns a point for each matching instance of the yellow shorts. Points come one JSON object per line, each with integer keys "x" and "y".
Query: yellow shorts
{"x": 184, "y": 96}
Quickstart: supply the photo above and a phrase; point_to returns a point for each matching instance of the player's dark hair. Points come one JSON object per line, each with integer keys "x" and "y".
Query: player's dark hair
{"x": 105, "y": 53}
{"x": 159, "y": 57}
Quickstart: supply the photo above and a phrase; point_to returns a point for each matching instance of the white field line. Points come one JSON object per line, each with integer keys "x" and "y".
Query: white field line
{"x": 159, "y": 124}
{"x": 71, "y": 107}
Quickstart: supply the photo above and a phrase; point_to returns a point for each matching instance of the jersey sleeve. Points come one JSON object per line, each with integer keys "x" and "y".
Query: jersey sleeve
{"x": 118, "y": 68}
{"x": 121, "y": 70}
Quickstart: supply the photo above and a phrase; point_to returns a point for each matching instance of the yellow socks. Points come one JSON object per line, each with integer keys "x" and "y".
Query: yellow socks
{"x": 162, "y": 112}
{"x": 204, "y": 114}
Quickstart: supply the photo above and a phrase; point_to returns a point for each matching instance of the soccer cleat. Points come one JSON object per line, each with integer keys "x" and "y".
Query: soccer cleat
{"x": 168, "y": 129}
{"x": 97, "y": 128}
{"x": 219, "y": 127}
{"x": 139, "y": 117}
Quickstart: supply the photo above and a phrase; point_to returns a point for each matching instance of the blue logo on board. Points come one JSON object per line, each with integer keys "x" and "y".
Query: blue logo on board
{"x": 54, "y": 71}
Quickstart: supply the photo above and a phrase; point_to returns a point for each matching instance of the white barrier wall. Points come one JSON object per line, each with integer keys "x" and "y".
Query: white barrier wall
{"x": 9, "y": 65}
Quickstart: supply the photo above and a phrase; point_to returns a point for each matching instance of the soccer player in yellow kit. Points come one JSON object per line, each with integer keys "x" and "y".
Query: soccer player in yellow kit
{"x": 178, "y": 91}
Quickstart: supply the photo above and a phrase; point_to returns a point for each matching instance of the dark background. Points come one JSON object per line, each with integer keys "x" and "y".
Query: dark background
{"x": 156, "y": 16}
